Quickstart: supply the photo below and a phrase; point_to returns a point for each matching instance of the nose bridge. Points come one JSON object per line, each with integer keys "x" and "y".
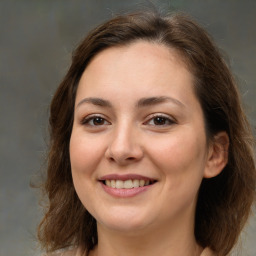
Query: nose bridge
{"x": 124, "y": 143}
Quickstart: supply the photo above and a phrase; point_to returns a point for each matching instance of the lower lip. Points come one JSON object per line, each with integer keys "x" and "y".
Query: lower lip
{"x": 125, "y": 192}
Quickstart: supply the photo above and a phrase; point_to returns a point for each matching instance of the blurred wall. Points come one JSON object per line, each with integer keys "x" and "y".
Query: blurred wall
{"x": 36, "y": 41}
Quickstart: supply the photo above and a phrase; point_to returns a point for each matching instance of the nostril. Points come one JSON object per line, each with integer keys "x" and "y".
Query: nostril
{"x": 112, "y": 159}
{"x": 122, "y": 152}
{"x": 123, "y": 160}
{"x": 130, "y": 158}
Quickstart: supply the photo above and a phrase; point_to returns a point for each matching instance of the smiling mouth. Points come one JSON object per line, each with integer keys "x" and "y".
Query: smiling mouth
{"x": 127, "y": 184}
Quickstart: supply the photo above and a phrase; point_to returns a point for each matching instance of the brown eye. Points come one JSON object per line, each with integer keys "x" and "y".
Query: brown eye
{"x": 94, "y": 121}
{"x": 98, "y": 121}
{"x": 159, "y": 120}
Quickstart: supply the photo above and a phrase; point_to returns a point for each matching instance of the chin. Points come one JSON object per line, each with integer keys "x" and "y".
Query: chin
{"x": 124, "y": 222}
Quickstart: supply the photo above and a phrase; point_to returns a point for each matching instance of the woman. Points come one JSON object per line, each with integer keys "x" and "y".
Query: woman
{"x": 151, "y": 152}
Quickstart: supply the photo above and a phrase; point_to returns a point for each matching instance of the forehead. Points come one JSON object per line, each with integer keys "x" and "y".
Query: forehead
{"x": 138, "y": 63}
{"x": 140, "y": 50}
{"x": 139, "y": 70}
{"x": 124, "y": 76}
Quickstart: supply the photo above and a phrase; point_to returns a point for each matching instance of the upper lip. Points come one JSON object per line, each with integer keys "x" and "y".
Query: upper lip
{"x": 125, "y": 177}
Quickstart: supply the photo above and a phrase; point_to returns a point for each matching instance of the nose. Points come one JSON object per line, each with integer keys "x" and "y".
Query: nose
{"x": 124, "y": 146}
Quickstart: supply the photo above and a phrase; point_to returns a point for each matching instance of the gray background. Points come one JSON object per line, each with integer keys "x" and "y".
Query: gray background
{"x": 36, "y": 41}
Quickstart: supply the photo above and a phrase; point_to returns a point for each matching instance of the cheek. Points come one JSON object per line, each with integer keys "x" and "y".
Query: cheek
{"x": 85, "y": 154}
{"x": 84, "y": 161}
{"x": 180, "y": 153}
{"x": 181, "y": 161}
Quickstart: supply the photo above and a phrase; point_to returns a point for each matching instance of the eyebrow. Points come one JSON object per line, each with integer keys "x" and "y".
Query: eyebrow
{"x": 144, "y": 102}
{"x": 96, "y": 101}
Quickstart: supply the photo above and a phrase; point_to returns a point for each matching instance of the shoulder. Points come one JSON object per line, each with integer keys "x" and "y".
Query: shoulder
{"x": 207, "y": 252}
{"x": 73, "y": 252}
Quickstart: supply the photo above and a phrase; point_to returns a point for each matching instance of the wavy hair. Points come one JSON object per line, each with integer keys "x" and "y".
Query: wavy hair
{"x": 224, "y": 202}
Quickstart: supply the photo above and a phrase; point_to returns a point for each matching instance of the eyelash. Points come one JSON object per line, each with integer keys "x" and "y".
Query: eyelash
{"x": 164, "y": 118}
{"x": 153, "y": 118}
{"x": 87, "y": 120}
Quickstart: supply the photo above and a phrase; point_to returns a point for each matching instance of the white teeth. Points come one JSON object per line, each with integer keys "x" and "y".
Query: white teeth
{"x": 119, "y": 184}
{"x": 127, "y": 183}
{"x": 136, "y": 183}
{"x": 113, "y": 183}
{"x": 142, "y": 183}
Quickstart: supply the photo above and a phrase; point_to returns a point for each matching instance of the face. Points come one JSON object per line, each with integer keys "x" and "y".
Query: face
{"x": 138, "y": 147}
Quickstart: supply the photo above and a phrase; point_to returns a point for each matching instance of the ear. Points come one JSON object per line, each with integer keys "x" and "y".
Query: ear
{"x": 217, "y": 155}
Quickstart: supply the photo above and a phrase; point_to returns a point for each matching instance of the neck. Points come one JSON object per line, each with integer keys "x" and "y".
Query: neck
{"x": 174, "y": 240}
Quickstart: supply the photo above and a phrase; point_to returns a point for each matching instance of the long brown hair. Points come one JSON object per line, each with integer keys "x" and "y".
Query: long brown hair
{"x": 224, "y": 202}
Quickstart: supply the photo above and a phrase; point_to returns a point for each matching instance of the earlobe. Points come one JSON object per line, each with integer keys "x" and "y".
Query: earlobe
{"x": 217, "y": 156}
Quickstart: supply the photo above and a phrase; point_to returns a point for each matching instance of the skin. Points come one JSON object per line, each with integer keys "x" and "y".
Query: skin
{"x": 127, "y": 138}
